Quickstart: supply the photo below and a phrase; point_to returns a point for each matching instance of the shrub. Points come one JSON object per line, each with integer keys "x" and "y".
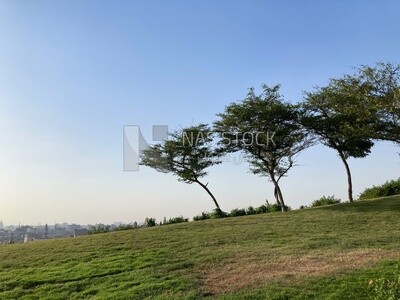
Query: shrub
{"x": 215, "y": 214}
{"x": 261, "y": 209}
{"x": 251, "y": 210}
{"x": 237, "y": 212}
{"x": 218, "y": 213}
{"x": 203, "y": 216}
{"x": 389, "y": 188}
{"x": 325, "y": 200}
{"x": 268, "y": 208}
{"x": 175, "y": 220}
{"x": 150, "y": 222}
{"x": 124, "y": 227}
{"x": 273, "y": 207}
{"x": 99, "y": 229}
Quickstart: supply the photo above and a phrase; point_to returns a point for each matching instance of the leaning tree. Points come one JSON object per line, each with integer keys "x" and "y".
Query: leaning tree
{"x": 186, "y": 154}
{"x": 266, "y": 129}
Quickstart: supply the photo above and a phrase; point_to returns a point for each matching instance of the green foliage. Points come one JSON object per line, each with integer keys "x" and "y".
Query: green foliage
{"x": 124, "y": 227}
{"x": 325, "y": 200}
{"x": 389, "y": 188}
{"x": 353, "y": 111}
{"x": 383, "y": 103}
{"x": 215, "y": 214}
{"x": 262, "y": 209}
{"x": 237, "y": 212}
{"x": 333, "y": 114}
{"x": 267, "y": 130}
{"x": 186, "y": 154}
{"x": 150, "y": 222}
{"x": 218, "y": 214}
{"x": 250, "y": 210}
{"x": 99, "y": 229}
{"x": 387, "y": 287}
{"x": 266, "y": 208}
{"x": 274, "y": 207}
{"x": 176, "y": 220}
{"x": 202, "y": 216}
{"x": 344, "y": 114}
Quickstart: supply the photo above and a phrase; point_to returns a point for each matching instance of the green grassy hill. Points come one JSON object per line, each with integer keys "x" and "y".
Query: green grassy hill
{"x": 329, "y": 252}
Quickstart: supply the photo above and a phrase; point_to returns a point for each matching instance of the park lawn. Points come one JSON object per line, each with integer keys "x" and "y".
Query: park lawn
{"x": 331, "y": 252}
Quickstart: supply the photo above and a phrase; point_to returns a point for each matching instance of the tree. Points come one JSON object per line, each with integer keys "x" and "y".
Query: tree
{"x": 332, "y": 113}
{"x": 150, "y": 222}
{"x": 186, "y": 154}
{"x": 351, "y": 112}
{"x": 266, "y": 129}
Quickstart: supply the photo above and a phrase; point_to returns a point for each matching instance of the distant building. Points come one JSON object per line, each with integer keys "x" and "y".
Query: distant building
{"x": 1, "y": 225}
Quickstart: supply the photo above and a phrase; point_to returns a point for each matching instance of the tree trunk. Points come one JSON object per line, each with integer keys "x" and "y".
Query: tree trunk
{"x": 209, "y": 192}
{"x": 349, "y": 181}
{"x": 278, "y": 193}
{"x": 276, "y": 196}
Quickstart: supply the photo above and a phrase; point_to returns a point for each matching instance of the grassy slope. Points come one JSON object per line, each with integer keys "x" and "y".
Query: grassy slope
{"x": 331, "y": 252}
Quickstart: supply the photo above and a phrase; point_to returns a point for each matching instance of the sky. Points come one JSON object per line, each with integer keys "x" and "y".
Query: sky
{"x": 73, "y": 73}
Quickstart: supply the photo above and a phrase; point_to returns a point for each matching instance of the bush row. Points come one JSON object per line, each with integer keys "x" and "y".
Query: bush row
{"x": 324, "y": 200}
{"x": 389, "y": 188}
{"x": 237, "y": 212}
{"x": 101, "y": 228}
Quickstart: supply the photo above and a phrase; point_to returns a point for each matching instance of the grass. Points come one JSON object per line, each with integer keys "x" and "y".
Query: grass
{"x": 330, "y": 252}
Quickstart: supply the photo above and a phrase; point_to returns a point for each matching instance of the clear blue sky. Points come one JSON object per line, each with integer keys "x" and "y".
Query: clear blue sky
{"x": 72, "y": 73}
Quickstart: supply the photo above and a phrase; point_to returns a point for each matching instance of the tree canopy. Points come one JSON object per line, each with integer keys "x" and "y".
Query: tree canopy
{"x": 383, "y": 103}
{"x": 266, "y": 129}
{"x": 348, "y": 115}
{"x": 353, "y": 111}
{"x": 186, "y": 154}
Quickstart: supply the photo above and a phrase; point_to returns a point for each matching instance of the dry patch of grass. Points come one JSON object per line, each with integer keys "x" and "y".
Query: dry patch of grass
{"x": 228, "y": 277}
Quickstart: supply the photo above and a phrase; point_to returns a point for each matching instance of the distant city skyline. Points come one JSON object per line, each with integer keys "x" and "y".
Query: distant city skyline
{"x": 5, "y": 226}
{"x": 72, "y": 74}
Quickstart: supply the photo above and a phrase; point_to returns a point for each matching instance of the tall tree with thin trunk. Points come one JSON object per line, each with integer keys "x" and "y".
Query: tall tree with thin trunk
{"x": 186, "y": 154}
{"x": 331, "y": 113}
{"x": 266, "y": 129}
{"x": 351, "y": 112}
